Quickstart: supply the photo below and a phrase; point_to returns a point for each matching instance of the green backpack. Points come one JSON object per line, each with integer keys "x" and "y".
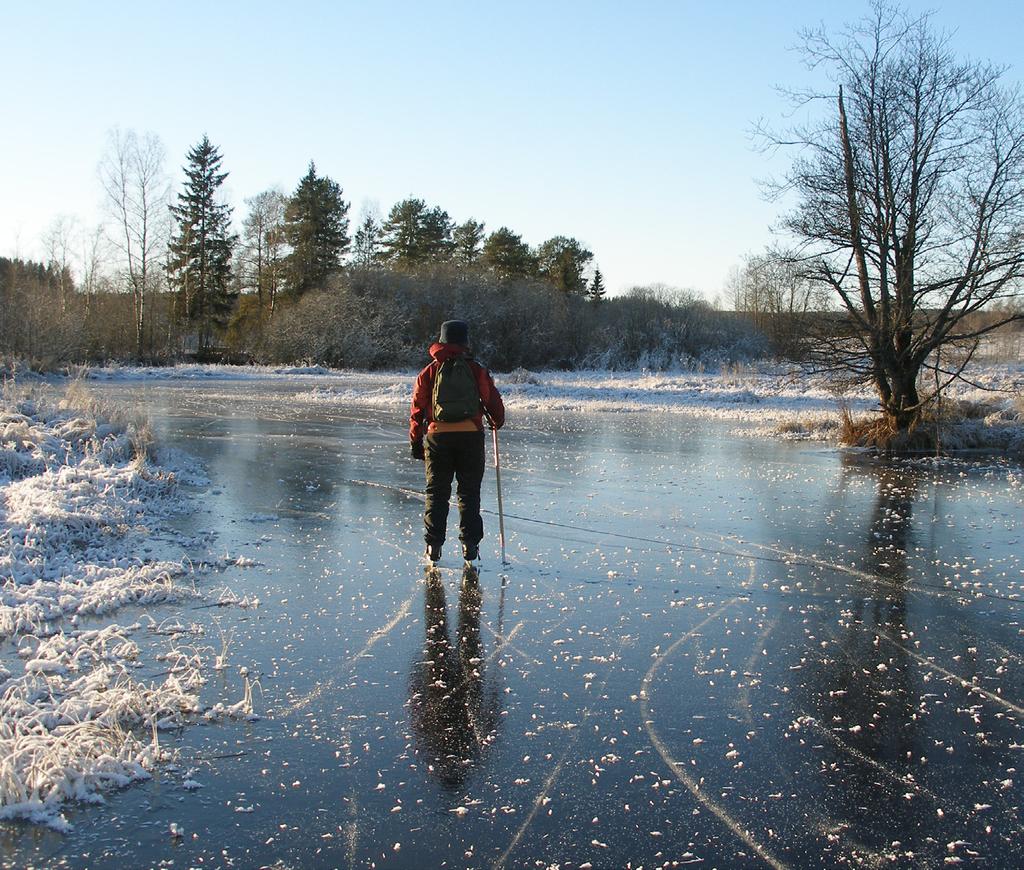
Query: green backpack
{"x": 456, "y": 396}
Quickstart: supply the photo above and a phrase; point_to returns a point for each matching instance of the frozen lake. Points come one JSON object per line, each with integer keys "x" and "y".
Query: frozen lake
{"x": 706, "y": 649}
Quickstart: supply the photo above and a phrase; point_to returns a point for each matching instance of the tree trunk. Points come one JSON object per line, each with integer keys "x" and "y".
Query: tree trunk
{"x": 140, "y": 324}
{"x": 903, "y": 403}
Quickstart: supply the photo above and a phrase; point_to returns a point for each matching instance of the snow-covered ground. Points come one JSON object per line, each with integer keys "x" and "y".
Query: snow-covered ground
{"x": 769, "y": 401}
{"x": 84, "y": 505}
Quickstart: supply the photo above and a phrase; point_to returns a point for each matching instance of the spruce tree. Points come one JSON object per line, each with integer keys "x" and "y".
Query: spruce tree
{"x": 199, "y": 261}
{"x": 597, "y": 291}
{"x": 316, "y": 229}
{"x": 367, "y": 243}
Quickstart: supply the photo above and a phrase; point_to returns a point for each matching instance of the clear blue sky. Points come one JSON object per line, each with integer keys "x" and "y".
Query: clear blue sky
{"x": 622, "y": 124}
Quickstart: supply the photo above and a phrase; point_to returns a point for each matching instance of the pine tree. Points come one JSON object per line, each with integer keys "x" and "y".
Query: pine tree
{"x": 597, "y": 291}
{"x": 508, "y": 256}
{"x": 414, "y": 235}
{"x": 316, "y": 229}
{"x": 468, "y": 241}
{"x": 435, "y": 242}
{"x": 199, "y": 261}
{"x": 402, "y": 233}
{"x": 562, "y": 261}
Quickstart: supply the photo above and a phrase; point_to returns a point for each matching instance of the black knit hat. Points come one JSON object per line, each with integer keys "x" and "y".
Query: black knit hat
{"x": 454, "y": 332}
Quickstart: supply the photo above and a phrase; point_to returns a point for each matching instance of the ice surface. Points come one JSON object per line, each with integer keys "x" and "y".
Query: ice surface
{"x": 707, "y": 649}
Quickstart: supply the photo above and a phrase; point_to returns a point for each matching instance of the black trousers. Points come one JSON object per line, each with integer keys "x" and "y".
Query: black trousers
{"x": 458, "y": 455}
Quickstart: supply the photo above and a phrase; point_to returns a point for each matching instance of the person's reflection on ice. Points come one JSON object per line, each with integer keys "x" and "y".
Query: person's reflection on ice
{"x": 453, "y": 705}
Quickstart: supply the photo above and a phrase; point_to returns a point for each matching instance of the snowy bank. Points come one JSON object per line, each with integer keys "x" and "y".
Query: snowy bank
{"x": 199, "y": 372}
{"x": 766, "y": 400}
{"x": 744, "y": 394}
{"x": 81, "y": 500}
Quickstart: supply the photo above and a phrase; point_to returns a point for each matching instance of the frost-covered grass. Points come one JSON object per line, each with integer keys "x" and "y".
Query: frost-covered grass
{"x": 81, "y": 494}
{"x": 79, "y": 721}
{"x": 78, "y": 498}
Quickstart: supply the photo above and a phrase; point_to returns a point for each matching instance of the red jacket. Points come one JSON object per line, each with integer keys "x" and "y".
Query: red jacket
{"x": 421, "y": 419}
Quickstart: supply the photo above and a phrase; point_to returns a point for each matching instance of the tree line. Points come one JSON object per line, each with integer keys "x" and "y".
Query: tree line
{"x": 297, "y": 284}
{"x": 378, "y": 318}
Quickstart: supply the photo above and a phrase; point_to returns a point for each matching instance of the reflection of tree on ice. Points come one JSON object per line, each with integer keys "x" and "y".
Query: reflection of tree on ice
{"x": 863, "y": 693}
{"x": 454, "y": 709}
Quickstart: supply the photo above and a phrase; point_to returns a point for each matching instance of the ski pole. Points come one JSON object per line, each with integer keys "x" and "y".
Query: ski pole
{"x": 497, "y": 481}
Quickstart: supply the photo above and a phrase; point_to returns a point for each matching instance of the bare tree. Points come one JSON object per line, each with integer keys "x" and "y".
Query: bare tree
{"x": 264, "y": 246}
{"x": 91, "y": 257}
{"x": 910, "y": 199}
{"x": 133, "y": 178}
{"x": 776, "y": 296}
{"x": 59, "y": 240}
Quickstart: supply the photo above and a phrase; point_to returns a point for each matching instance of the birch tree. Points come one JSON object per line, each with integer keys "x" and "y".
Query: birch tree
{"x": 133, "y": 178}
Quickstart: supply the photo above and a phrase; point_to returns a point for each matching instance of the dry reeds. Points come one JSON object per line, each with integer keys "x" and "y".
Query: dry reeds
{"x": 958, "y": 426}
{"x": 78, "y": 397}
